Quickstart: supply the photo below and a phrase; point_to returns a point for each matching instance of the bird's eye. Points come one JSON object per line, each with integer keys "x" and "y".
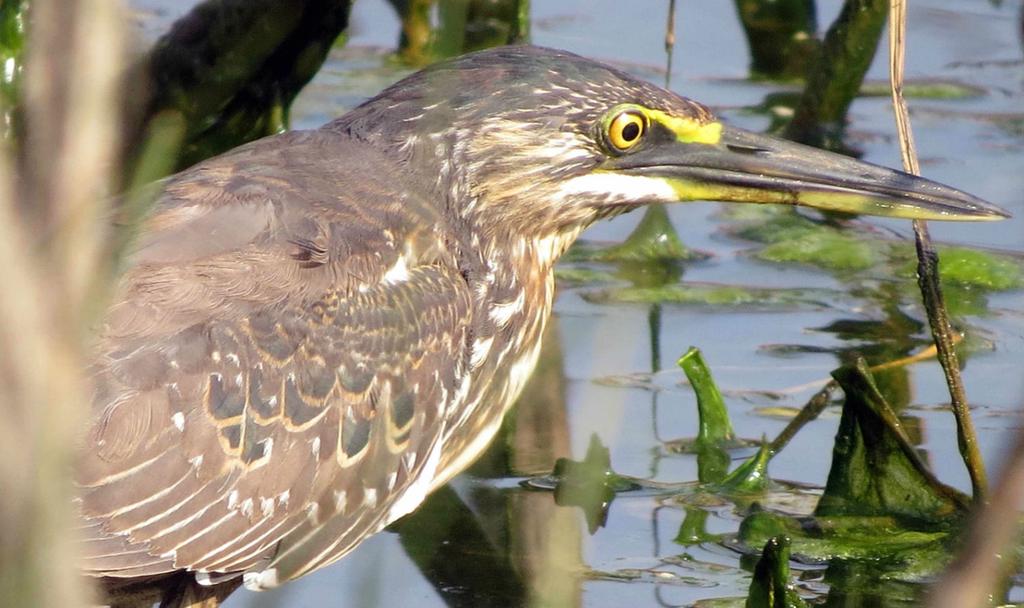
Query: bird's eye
{"x": 626, "y": 129}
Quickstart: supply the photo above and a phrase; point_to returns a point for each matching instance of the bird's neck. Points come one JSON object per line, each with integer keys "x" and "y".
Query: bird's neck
{"x": 513, "y": 293}
{"x": 539, "y": 251}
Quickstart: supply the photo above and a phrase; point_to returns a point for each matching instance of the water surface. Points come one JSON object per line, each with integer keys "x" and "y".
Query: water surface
{"x": 598, "y": 376}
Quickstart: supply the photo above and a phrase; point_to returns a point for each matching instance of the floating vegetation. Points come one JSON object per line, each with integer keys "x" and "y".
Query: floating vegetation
{"x": 882, "y": 525}
{"x": 712, "y": 295}
{"x": 788, "y": 236}
{"x": 974, "y": 269}
{"x": 924, "y": 89}
{"x": 881, "y": 506}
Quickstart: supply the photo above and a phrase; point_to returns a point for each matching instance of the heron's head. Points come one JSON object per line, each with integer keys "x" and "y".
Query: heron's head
{"x": 537, "y": 140}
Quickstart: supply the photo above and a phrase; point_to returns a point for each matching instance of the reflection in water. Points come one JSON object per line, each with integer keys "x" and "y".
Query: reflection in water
{"x": 877, "y": 328}
{"x": 481, "y": 542}
{"x": 463, "y": 555}
{"x": 781, "y": 36}
{"x": 545, "y": 539}
{"x": 835, "y": 78}
{"x": 460, "y": 26}
{"x": 491, "y": 546}
{"x": 880, "y": 340}
{"x": 856, "y": 584}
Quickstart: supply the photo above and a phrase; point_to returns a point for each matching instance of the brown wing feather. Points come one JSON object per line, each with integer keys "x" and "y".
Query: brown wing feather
{"x": 263, "y": 387}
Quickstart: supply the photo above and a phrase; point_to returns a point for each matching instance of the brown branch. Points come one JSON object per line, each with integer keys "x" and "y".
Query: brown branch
{"x": 928, "y": 267}
{"x": 809, "y": 412}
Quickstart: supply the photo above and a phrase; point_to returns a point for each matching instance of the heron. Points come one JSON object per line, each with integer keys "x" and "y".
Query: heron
{"x": 317, "y": 329}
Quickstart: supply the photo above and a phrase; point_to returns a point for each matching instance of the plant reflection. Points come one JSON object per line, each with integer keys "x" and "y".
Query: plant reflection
{"x": 495, "y": 546}
{"x": 482, "y": 542}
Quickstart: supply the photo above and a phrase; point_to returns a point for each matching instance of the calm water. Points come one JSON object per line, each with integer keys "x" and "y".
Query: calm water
{"x": 598, "y": 375}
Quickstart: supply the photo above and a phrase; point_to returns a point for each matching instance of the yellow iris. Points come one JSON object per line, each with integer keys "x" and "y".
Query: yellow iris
{"x": 626, "y": 129}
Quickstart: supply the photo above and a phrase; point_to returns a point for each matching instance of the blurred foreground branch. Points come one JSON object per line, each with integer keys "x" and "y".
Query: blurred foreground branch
{"x": 52, "y": 218}
{"x": 988, "y": 554}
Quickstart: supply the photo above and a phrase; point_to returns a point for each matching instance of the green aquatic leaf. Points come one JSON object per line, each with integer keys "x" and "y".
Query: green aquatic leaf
{"x": 876, "y": 471}
{"x": 653, "y": 239}
{"x": 973, "y": 269}
{"x": 881, "y": 504}
{"x": 773, "y": 225}
{"x": 759, "y": 525}
{"x": 827, "y": 248}
{"x": 715, "y": 426}
{"x": 752, "y": 475}
{"x": 924, "y": 89}
{"x": 788, "y": 237}
{"x": 896, "y": 552}
{"x": 712, "y": 462}
{"x": 791, "y": 237}
{"x": 652, "y": 255}
{"x": 715, "y": 434}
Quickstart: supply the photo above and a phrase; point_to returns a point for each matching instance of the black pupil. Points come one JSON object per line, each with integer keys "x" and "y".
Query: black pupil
{"x": 631, "y": 131}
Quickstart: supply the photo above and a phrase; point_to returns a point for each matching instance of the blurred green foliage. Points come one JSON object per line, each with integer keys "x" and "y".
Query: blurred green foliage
{"x": 13, "y": 17}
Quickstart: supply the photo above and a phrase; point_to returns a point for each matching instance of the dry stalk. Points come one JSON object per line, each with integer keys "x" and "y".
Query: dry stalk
{"x": 928, "y": 266}
{"x": 670, "y": 41}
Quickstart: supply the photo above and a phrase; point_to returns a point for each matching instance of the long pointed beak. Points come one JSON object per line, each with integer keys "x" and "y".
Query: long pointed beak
{"x": 748, "y": 167}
